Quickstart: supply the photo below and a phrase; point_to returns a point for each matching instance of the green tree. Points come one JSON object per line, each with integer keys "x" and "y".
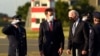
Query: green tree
{"x": 23, "y": 10}
{"x": 83, "y": 6}
{"x": 61, "y": 9}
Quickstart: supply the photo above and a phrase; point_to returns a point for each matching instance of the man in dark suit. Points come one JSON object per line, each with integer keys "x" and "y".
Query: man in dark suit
{"x": 17, "y": 37}
{"x": 78, "y": 35}
{"x": 51, "y": 38}
{"x": 94, "y": 40}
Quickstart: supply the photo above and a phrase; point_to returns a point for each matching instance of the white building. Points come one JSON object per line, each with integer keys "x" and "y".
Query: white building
{"x": 37, "y": 11}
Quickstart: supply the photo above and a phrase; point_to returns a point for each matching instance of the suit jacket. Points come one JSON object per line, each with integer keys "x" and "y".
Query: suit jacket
{"x": 80, "y": 38}
{"x": 51, "y": 40}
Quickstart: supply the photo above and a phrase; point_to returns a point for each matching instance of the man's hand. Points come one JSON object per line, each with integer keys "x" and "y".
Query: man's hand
{"x": 60, "y": 51}
{"x": 15, "y": 26}
{"x": 84, "y": 52}
{"x": 15, "y": 21}
{"x": 41, "y": 53}
{"x": 68, "y": 51}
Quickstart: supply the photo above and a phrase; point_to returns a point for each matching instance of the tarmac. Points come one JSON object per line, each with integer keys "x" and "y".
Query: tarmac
{"x": 32, "y": 45}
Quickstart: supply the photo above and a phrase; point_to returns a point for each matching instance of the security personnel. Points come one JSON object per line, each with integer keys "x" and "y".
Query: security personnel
{"x": 94, "y": 40}
{"x": 17, "y": 37}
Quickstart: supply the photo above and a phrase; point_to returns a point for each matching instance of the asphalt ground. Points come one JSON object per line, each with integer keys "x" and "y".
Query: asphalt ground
{"x": 32, "y": 47}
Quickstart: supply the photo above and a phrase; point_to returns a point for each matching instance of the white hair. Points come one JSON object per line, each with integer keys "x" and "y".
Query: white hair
{"x": 74, "y": 11}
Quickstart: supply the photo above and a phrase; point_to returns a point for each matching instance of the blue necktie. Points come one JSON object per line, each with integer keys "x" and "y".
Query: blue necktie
{"x": 73, "y": 28}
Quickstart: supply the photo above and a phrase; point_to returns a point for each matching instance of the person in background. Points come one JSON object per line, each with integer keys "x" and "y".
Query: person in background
{"x": 94, "y": 40}
{"x": 17, "y": 37}
{"x": 51, "y": 37}
{"x": 86, "y": 17}
{"x": 78, "y": 35}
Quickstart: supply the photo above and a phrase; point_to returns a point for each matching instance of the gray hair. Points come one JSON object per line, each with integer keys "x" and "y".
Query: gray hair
{"x": 74, "y": 11}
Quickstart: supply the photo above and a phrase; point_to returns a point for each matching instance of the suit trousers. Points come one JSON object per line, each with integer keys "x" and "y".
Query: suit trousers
{"x": 51, "y": 51}
{"x": 77, "y": 51}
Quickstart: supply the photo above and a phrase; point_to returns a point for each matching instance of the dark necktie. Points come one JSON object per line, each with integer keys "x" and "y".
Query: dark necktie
{"x": 50, "y": 25}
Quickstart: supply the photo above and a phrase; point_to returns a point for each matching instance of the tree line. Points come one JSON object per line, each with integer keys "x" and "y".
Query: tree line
{"x": 61, "y": 9}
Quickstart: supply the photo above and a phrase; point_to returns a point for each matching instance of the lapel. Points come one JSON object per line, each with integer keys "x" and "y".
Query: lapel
{"x": 54, "y": 24}
{"x": 78, "y": 26}
{"x": 46, "y": 26}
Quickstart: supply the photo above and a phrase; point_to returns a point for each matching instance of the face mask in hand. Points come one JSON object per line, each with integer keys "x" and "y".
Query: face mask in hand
{"x": 15, "y": 21}
{"x": 84, "y": 18}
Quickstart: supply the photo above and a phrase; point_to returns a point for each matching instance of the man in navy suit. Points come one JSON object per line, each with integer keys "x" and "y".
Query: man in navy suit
{"x": 78, "y": 35}
{"x": 51, "y": 37}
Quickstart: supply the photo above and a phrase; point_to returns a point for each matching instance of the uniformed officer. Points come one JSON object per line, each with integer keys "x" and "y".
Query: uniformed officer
{"x": 94, "y": 40}
{"x": 17, "y": 37}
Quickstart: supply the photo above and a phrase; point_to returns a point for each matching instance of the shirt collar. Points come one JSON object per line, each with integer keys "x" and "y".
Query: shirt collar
{"x": 77, "y": 21}
{"x": 49, "y": 20}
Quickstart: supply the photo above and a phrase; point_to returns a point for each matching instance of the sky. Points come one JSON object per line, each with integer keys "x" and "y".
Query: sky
{"x": 10, "y": 6}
